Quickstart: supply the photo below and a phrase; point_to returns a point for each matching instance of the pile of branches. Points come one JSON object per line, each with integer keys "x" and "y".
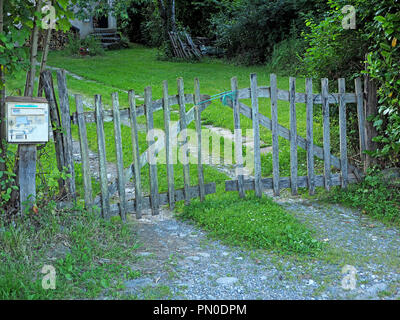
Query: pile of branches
{"x": 183, "y": 46}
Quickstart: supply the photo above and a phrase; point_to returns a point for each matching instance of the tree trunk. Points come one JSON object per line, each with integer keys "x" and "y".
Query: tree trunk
{"x": 167, "y": 14}
{"x": 44, "y": 59}
{"x": 370, "y": 110}
{"x": 3, "y": 145}
{"x": 30, "y": 76}
{"x": 173, "y": 19}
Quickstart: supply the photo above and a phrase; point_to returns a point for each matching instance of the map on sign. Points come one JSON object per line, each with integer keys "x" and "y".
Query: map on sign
{"x": 27, "y": 122}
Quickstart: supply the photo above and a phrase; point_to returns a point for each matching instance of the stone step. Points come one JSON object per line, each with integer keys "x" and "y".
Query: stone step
{"x": 105, "y": 35}
{"x": 104, "y": 30}
{"x": 108, "y": 44}
{"x": 110, "y": 39}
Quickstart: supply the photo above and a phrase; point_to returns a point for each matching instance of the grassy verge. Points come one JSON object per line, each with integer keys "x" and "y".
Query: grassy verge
{"x": 252, "y": 223}
{"x": 91, "y": 256}
{"x": 372, "y": 196}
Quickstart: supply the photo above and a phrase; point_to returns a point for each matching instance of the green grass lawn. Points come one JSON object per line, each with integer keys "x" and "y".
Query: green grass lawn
{"x": 138, "y": 67}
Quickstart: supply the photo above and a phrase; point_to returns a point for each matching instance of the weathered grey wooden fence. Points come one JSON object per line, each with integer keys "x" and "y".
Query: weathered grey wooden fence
{"x": 348, "y": 173}
{"x": 155, "y": 199}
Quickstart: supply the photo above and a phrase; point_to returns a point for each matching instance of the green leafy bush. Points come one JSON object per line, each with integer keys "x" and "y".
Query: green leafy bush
{"x": 373, "y": 196}
{"x": 248, "y": 30}
{"x": 80, "y": 47}
{"x": 7, "y": 183}
{"x": 287, "y": 57}
{"x": 336, "y": 52}
{"x": 384, "y": 66}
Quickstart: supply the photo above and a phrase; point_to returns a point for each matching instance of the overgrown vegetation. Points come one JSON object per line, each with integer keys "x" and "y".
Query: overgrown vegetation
{"x": 374, "y": 196}
{"x": 89, "y": 254}
{"x": 89, "y": 46}
{"x": 383, "y": 66}
{"x": 336, "y": 52}
{"x": 7, "y": 182}
{"x": 249, "y": 30}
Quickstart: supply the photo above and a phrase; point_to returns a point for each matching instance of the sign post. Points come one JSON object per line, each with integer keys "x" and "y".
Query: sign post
{"x": 27, "y": 125}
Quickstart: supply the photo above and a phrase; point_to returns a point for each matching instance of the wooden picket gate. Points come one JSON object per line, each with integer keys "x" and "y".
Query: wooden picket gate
{"x": 348, "y": 173}
{"x": 155, "y": 199}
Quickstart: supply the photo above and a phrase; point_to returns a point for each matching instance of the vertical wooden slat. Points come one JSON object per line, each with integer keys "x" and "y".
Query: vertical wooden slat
{"x": 200, "y": 169}
{"x": 182, "y": 112}
{"x": 361, "y": 117}
{"x": 238, "y": 137}
{"x": 293, "y": 136}
{"x": 342, "y": 126}
{"x": 136, "y": 154}
{"x": 256, "y": 132}
{"x": 168, "y": 147}
{"x": 275, "y": 134}
{"x": 326, "y": 130}
{"x": 105, "y": 197}
{"x": 119, "y": 156}
{"x": 310, "y": 136}
{"x": 154, "y": 203}
{"x": 83, "y": 143}
{"x": 66, "y": 124}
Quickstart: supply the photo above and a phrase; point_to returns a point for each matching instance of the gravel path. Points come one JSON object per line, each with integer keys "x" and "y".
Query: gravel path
{"x": 181, "y": 257}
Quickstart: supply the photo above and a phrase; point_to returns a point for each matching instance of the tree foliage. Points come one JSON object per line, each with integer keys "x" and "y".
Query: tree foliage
{"x": 120, "y": 9}
{"x": 18, "y": 24}
{"x": 384, "y": 66}
{"x": 335, "y": 52}
{"x": 248, "y": 30}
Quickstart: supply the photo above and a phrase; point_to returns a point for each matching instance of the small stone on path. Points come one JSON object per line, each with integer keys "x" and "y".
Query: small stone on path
{"x": 227, "y": 280}
{"x": 194, "y": 258}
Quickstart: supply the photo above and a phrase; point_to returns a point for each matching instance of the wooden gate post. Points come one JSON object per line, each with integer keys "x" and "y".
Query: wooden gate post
{"x": 370, "y": 110}
{"x": 27, "y": 176}
{"x": 361, "y": 117}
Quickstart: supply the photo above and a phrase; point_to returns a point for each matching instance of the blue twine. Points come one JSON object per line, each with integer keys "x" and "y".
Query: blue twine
{"x": 223, "y": 95}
